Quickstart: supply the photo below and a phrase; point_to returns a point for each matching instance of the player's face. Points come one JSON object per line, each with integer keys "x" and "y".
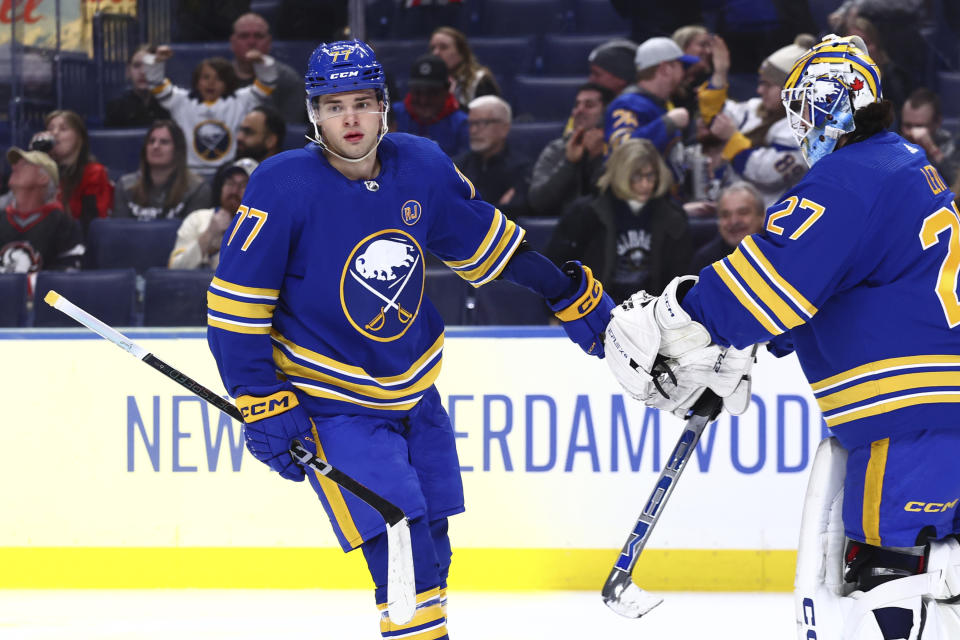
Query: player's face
{"x": 738, "y": 215}
{"x": 443, "y": 46}
{"x": 249, "y": 32}
{"x": 231, "y": 193}
{"x": 643, "y": 182}
{"x": 67, "y": 140}
{"x": 209, "y": 85}
{"x": 769, "y": 95}
{"x": 160, "y": 148}
{"x": 587, "y": 110}
{"x": 350, "y": 121}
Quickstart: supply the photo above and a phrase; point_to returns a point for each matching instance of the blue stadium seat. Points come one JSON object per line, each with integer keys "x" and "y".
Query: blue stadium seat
{"x": 448, "y": 292}
{"x": 530, "y": 138}
{"x": 566, "y": 54}
{"x": 397, "y": 56}
{"x": 294, "y": 53}
{"x": 506, "y": 57}
{"x": 504, "y": 303}
{"x": 523, "y": 17}
{"x": 13, "y": 299}
{"x": 117, "y": 149}
{"x": 949, "y": 90}
{"x": 187, "y": 55}
{"x": 702, "y": 231}
{"x": 538, "y": 231}
{"x": 952, "y": 125}
{"x": 599, "y": 16}
{"x": 544, "y": 98}
{"x": 108, "y": 294}
{"x": 120, "y": 243}
{"x": 175, "y": 297}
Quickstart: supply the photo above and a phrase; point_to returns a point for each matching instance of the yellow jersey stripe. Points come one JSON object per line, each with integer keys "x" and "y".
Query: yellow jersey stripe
{"x": 504, "y": 258}
{"x": 748, "y": 303}
{"x": 237, "y": 308}
{"x": 334, "y": 495}
{"x": 763, "y": 291}
{"x": 267, "y": 90}
{"x": 237, "y": 327}
{"x": 247, "y": 292}
{"x": 474, "y": 275}
{"x": 330, "y": 394}
{"x": 291, "y": 368}
{"x": 884, "y": 366}
{"x": 785, "y": 287}
{"x": 421, "y": 597}
{"x": 495, "y": 225}
{"x": 891, "y": 384}
{"x": 321, "y": 360}
{"x": 886, "y": 406}
{"x": 873, "y": 490}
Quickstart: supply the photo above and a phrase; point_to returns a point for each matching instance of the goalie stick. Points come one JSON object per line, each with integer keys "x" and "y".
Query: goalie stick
{"x": 620, "y": 593}
{"x": 401, "y": 589}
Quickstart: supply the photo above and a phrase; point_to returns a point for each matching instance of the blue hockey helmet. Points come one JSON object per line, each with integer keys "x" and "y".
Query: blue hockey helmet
{"x": 823, "y": 90}
{"x": 347, "y": 65}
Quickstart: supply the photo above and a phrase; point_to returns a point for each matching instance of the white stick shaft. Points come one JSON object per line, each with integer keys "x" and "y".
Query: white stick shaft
{"x": 60, "y": 303}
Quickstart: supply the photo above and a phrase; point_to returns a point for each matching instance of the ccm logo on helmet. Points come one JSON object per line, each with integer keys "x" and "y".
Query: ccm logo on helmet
{"x": 345, "y": 74}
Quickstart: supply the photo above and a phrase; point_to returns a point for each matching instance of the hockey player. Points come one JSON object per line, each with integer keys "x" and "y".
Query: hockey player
{"x": 320, "y": 329}
{"x": 859, "y": 262}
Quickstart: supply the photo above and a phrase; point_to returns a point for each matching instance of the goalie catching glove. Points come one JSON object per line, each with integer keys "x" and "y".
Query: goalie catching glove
{"x": 271, "y": 424}
{"x": 665, "y": 359}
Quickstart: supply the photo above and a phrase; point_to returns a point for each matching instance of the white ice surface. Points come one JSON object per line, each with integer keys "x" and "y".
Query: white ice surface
{"x": 349, "y": 615}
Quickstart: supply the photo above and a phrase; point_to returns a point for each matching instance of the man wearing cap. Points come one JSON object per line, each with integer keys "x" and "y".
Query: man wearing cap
{"x": 757, "y": 138}
{"x": 430, "y": 110}
{"x": 644, "y": 110}
{"x": 612, "y": 66}
{"x": 200, "y": 234}
{"x": 35, "y": 233}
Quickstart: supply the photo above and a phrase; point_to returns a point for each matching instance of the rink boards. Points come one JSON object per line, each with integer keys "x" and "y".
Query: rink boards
{"x": 114, "y": 476}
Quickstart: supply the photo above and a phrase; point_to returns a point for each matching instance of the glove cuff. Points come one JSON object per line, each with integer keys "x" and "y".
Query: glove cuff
{"x": 588, "y": 296}
{"x": 256, "y": 408}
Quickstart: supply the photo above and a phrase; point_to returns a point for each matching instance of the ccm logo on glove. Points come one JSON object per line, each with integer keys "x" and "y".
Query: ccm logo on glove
{"x": 261, "y": 408}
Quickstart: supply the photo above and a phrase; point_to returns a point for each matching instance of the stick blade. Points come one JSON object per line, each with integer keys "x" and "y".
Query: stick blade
{"x": 631, "y": 601}
{"x": 401, "y": 588}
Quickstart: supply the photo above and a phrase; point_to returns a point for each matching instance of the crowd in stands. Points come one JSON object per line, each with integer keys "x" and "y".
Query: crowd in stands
{"x": 661, "y": 168}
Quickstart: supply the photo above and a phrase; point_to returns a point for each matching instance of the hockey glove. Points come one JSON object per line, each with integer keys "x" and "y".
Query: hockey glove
{"x": 271, "y": 425}
{"x": 586, "y": 312}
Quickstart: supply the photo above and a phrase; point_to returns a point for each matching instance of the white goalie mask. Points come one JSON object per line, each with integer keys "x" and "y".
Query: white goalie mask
{"x": 823, "y": 90}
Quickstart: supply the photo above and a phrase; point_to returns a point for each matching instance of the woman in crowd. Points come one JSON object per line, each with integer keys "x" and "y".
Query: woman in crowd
{"x": 468, "y": 78}
{"x": 632, "y": 235}
{"x": 163, "y": 187}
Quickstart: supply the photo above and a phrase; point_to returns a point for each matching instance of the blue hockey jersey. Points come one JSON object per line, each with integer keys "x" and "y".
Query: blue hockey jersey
{"x": 860, "y": 262}
{"x": 321, "y": 278}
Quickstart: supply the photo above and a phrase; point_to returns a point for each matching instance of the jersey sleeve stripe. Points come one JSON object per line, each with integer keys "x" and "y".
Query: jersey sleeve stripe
{"x": 788, "y": 291}
{"x": 236, "y": 308}
{"x": 503, "y": 259}
{"x": 889, "y": 385}
{"x": 501, "y": 249}
{"x": 262, "y": 87}
{"x": 161, "y": 89}
{"x": 492, "y": 233}
{"x": 237, "y": 327}
{"x": 763, "y": 291}
{"x": 334, "y": 496}
{"x": 245, "y": 292}
{"x": 744, "y": 298}
{"x": 887, "y": 365}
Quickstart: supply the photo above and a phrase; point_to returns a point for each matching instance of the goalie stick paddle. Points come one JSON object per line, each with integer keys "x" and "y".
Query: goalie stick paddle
{"x": 401, "y": 589}
{"x": 620, "y": 593}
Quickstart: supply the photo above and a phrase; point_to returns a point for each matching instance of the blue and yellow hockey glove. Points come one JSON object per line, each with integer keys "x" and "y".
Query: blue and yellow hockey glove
{"x": 586, "y": 312}
{"x": 271, "y": 425}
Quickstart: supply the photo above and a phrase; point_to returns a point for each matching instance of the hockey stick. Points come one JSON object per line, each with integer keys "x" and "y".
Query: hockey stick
{"x": 401, "y": 589}
{"x": 620, "y": 593}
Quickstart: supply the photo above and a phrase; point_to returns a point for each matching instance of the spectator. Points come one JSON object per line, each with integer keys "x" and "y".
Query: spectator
{"x": 740, "y": 213}
{"x": 612, "y": 65}
{"x": 920, "y": 123}
{"x": 430, "y": 110}
{"x": 137, "y": 106}
{"x": 569, "y": 166}
{"x": 35, "y": 233}
{"x": 211, "y": 111}
{"x": 707, "y": 172}
{"x": 500, "y": 175}
{"x": 200, "y": 235}
{"x": 757, "y": 138}
{"x": 632, "y": 235}
{"x": 261, "y": 134}
{"x": 163, "y": 187}
{"x": 468, "y": 78}
{"x": 694, "y": 40}
{"x": 252, "y": 33}
{"x": 85, "y": 187}
{"x": 644, "y": 110}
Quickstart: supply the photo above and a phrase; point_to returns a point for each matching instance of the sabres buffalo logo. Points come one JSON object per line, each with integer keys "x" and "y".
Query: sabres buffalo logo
{"x": 211, "y": 140}
{"x": 382, "y": 284}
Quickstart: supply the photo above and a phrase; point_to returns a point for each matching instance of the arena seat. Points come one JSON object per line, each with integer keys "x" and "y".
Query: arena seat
{"x": 506, "y": 57}
{"x": 448, "y": 292}
{"x": 175, "y": 297}
{"x": 397, "y": 56}
{"x": 599, "y": 16}
{"x": 109, "y": 294}
{"x": 294, "y": 53}
{"x": 543, "y": 98}
{"x": 120, "y": 243}
{"x": 505, "y": 303}
{"x": 538, "y": 230}
{"x": 13, "y": 299}
{"x": 523, "y": 17}
{"x": 530, "y": 138}
{"x": 566, "y": 54}
{"x": 949, "y": 89}
{"x": 117, "y": 149}
{"x": 702, "y": 231}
